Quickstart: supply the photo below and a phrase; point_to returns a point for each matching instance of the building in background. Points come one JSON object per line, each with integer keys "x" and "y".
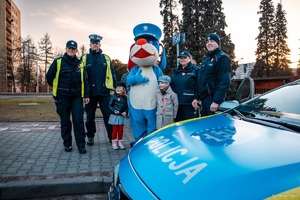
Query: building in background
{"x": 10, "y": 40}
{"x": 243, "y": 70}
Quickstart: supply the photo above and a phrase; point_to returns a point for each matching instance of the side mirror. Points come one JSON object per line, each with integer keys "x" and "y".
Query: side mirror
{"x": 245, "y": 90}
{"x": 226, "y": 105}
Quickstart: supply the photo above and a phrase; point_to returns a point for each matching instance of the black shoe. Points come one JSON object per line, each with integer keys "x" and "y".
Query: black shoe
{"x": 82, "y": 150}
{"x": 68, "y": 149}
{"x": 90, "y": 141}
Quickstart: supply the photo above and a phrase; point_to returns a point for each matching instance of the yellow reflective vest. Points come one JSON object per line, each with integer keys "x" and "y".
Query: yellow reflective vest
{"x": 55, "y": 81}
{"x": 109, "y": 82}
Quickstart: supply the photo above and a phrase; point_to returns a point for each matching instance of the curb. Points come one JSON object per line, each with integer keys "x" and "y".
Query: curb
{"x": 55, "y": 187}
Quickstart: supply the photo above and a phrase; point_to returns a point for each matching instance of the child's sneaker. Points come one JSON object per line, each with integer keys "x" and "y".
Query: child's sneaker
{"x": 114, "y": 145}
{"x": 120, "y": 144}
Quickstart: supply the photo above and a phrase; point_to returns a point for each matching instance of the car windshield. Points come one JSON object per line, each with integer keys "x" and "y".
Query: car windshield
{"x": 280, "y": 106}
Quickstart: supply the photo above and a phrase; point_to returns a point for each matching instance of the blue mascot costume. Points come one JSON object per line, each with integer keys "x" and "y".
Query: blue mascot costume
{"x": 142, "y": 79}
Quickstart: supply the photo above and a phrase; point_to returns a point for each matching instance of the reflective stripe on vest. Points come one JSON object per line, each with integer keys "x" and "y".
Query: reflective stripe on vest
{"x": 55, "y": 81}
{"x": 109, "y": 82}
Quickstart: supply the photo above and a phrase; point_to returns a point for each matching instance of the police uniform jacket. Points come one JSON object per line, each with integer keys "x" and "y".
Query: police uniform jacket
{"x": 96, "y": 69}
{"x": 214, "y": 76}
{"x": 69, "y": 82}
{"x": 184, "y": 83}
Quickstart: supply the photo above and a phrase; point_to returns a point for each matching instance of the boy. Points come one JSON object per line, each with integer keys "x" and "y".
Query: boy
{"x": 167, "y": 102}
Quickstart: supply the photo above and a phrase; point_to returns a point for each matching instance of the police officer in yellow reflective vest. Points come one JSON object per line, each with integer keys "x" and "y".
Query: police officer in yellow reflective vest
{"x": 101, "y": 78}
{"x": 66, "y": 76}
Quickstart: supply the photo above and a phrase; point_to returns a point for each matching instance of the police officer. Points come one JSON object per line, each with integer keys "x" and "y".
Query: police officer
{"x": 184, "y": 83}
{"x": 101, "y": 78}
{"x": 213, "y": 77}
{"x": 69, "y": 85}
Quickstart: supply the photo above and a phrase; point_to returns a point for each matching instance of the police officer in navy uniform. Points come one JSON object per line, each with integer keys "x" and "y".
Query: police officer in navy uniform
{"x": 213, "y": 77}
{"x": 184, "y": 83}
{"x": 101, "y": 77}
{"x": 70, "y": 89}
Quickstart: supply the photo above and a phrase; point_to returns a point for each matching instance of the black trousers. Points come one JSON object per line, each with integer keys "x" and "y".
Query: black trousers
{"x": 90, "y": 110}
{"x": 186, "y": 112}
{"x": 65, "y": 107}
{"x": 205, "y": 109}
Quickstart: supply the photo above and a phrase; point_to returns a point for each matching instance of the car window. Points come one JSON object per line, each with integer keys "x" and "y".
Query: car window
{"x": 280, "y": 104}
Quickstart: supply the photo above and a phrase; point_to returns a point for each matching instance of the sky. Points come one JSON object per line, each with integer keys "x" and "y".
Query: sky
{"x": 114, "y": 20}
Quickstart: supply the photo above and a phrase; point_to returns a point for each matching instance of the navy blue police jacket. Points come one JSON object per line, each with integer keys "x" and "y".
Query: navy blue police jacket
{"x": 69, "y": 84}
{"x": 96, "y": 70}
{"x": 184, "y": 83}
{"x": 213, "y": 78}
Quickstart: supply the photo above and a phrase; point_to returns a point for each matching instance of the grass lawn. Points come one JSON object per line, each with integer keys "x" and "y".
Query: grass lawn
{"x": 30, "y": 109}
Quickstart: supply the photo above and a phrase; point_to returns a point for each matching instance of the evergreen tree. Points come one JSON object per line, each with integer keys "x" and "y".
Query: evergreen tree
{"x": 46, "y": 54}
{"x": 265, "y": 40}
{"x": 191, "y": 20}
{"x": 170, "y": 27}
{"x": 199, "y": 18}
{"x": 281, "y": 65}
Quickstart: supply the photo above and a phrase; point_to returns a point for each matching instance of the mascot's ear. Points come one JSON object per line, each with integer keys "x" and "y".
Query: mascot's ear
{"x": 163, "y": 59}
{"x": 130, "y": 63}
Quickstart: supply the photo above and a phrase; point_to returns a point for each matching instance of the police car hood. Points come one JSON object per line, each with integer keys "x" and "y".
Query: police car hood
{"x": 208, "y": 157}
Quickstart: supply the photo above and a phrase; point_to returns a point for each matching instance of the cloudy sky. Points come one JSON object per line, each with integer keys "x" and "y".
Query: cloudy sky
{"x": 115, "y": 20}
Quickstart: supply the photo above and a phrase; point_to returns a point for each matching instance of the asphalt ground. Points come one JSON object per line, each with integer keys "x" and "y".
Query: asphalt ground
{"x": 34, "y": 165}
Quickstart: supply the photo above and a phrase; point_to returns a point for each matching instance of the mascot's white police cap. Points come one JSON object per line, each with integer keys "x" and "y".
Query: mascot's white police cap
{"x": 146, "y": 30}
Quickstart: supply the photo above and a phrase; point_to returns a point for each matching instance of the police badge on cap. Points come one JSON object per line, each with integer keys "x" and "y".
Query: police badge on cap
{"x": 95, "y": 38}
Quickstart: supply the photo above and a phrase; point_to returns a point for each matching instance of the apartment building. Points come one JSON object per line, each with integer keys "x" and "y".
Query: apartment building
{"x": 10, "y": 40}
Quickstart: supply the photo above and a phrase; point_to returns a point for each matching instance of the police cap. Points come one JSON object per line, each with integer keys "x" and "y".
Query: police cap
{"x": 95, "y": 38}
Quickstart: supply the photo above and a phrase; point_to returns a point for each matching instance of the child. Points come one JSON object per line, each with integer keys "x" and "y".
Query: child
{"x": 119, "y": 108}
{"x": 167, "y": 102}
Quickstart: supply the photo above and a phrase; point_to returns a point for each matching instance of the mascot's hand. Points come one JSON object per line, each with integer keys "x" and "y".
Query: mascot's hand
{"x": 141, "y": 79}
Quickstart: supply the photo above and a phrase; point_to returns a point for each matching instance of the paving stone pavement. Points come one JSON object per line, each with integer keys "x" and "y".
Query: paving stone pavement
{"x": 33, "y": 163}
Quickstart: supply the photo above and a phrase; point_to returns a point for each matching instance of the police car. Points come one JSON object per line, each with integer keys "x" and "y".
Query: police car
{"x": 249, "y": 151}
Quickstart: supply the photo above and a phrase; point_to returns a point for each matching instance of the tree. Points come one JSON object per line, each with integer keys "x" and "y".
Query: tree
{"x": 170, "y": 27}
{"x": 191, "y": 18}
{"x": 281, "y": 63}
{"x": 26, "y": 73}
{"x": 265, "y": 40}
{"x": 119, "y": 67}
{"x": 199, "y": 18}
{"x": 46, "y": 54}
{"x": 11, "y": 59}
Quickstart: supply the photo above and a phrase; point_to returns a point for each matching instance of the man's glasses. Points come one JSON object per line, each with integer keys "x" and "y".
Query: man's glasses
{"x": 95, "y": 42}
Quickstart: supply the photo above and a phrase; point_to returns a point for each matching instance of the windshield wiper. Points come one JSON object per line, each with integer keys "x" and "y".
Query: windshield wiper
{"x": 283, "y": 123}
{"x": 269, "y": 123}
